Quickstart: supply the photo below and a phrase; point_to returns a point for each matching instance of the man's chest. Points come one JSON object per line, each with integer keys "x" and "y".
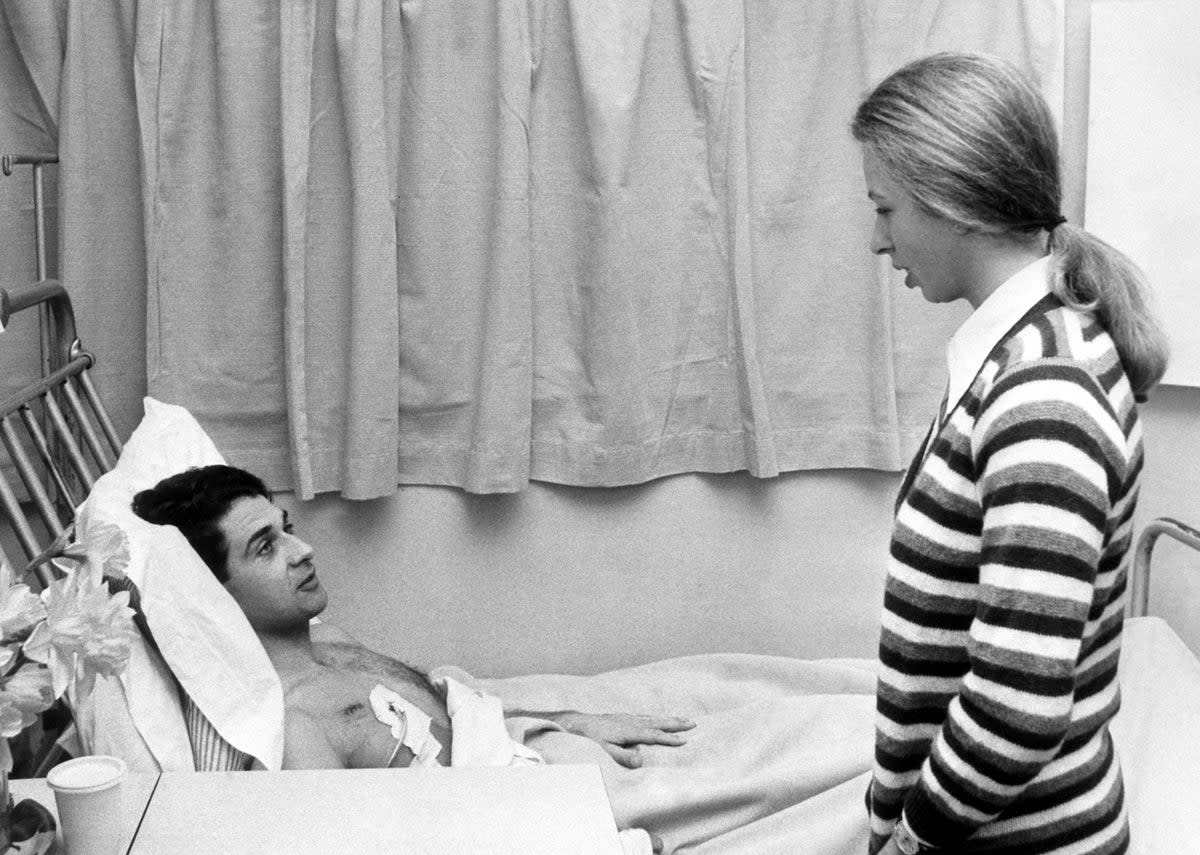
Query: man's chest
{"x": 340, "y": 702}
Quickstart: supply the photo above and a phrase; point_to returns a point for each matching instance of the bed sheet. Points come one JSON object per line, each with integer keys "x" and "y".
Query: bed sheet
{"x": 780, "y": 759}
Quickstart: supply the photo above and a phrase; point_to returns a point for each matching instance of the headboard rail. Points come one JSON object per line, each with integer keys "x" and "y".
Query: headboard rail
{"x": 57, "y": 433}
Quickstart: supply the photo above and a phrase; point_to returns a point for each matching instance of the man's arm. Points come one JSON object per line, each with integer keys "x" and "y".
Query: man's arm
{"x": 619, "y": 734}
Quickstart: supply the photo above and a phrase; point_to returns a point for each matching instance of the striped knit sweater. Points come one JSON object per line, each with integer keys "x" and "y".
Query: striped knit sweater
{"x": 1004, "y": 604}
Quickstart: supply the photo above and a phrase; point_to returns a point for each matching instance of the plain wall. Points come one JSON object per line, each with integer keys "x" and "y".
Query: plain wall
{"x": 560, "y": 579}
{"x": 578, "y": 580}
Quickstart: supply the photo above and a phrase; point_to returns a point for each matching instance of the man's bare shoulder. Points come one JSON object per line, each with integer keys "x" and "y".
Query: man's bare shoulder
{"x": 351, "y": 655}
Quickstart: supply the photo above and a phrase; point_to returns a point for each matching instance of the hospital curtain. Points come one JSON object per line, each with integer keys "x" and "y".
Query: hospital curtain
{"x": 591, "y": 242}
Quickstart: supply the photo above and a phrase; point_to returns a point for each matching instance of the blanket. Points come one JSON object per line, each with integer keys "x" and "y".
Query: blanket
{"x": 779, "y": 760}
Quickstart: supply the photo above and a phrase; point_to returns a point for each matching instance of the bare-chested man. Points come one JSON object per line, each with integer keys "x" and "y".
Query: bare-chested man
{"x": 246, "y": 540}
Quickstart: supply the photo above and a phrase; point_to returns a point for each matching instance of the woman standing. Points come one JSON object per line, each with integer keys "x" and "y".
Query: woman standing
{"x": 1007, "y": 571}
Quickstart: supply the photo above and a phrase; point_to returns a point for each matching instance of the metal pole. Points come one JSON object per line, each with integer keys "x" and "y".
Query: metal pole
{"x": 39, "y": 219}
{"x": 37, "y": 162}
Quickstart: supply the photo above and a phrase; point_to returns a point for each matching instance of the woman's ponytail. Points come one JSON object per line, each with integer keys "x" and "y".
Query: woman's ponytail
{"x": 1092, "y": 275}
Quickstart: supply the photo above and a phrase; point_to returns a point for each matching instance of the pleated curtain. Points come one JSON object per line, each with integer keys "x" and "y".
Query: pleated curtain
{"x": 591, "y": 242}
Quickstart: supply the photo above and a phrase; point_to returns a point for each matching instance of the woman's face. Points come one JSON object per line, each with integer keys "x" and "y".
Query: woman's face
{"x": 929, "y": 249}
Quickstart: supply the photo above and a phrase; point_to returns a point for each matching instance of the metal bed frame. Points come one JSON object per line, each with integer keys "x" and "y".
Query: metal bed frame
{"x": 57, "y": 433}
{"x": 1139, "y": 598}
{"x": 58, "y": 436}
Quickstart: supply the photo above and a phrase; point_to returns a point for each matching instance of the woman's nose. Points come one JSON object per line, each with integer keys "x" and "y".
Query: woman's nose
{"x": 880, "y": 239}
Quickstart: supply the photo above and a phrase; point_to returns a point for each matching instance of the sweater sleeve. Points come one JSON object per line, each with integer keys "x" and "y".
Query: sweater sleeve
{"x": 1047, "y": 454}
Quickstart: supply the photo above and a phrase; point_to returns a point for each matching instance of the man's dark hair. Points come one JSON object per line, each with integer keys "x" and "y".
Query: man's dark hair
{"x": 195, "y": 502}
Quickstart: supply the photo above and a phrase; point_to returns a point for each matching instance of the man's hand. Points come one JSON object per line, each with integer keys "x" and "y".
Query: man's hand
{"x": 620, "y": 734}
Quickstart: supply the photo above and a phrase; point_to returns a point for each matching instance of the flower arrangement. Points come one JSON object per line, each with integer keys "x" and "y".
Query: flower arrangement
{"x": 56, "y": 643}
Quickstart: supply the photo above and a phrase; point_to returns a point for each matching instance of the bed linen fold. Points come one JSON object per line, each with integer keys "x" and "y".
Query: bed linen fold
{"x": 778, "y": 761}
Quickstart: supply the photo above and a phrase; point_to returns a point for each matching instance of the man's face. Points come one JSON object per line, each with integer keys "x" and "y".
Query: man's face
{"x": 927, "y": 248}
{"x": 271, "y": 573}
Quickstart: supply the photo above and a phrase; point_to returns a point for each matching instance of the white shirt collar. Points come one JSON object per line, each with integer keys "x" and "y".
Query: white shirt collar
{"x": 970, "y": 346}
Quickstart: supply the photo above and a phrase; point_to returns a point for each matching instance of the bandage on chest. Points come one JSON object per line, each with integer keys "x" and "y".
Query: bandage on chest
{"x": 410, "y": 726}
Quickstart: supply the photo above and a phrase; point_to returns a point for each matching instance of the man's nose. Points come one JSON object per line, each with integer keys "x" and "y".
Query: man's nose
{"x": 301, "y": 551}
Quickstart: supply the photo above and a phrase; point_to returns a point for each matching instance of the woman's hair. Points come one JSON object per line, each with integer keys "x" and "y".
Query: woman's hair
{"x": 195, "y": 502}
{"x": 973, "y": 141}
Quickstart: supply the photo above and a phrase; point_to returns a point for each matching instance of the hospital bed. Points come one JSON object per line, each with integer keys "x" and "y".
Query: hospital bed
{"x": 779, "y": 761}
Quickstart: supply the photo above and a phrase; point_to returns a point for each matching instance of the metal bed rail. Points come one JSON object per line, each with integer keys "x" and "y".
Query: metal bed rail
{"x": 1140, "y": 587}
{"x": 57, "y": 433}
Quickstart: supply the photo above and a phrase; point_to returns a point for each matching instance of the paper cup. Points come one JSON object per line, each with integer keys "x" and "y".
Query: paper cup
{"x": 87, "y": 791}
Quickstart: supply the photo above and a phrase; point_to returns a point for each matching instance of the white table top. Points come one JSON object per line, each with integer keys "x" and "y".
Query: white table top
{"x": 492, "y": 811}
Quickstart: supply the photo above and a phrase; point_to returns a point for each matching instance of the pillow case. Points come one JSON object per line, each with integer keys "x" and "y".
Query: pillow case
{"x": 201, "y": 633}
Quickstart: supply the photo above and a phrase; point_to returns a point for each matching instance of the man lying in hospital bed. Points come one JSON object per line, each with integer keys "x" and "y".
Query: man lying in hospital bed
{"x": 778, "y": 762}
{"x": 336, "y": 691}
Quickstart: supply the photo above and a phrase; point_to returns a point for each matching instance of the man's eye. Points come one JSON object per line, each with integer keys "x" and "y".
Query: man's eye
{"x": 268, "y": 546}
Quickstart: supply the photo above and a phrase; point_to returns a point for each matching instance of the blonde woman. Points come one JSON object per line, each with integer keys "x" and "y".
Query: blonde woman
{"x": 1004, "y": 602}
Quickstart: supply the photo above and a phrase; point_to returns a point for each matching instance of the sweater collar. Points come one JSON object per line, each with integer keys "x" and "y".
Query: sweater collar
{"x": 969, "y": 347}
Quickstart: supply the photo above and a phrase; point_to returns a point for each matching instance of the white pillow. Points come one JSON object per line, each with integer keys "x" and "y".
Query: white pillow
{"x": 201, "y": 632}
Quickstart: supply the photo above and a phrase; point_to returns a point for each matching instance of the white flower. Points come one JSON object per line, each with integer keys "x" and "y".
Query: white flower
{"x": 107, "y": 539}
{"x": 20, "y": 611}
{"x": 24, "y": 695}
{"x": 87, "y": 631}
{"x": 60, "y": 641}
